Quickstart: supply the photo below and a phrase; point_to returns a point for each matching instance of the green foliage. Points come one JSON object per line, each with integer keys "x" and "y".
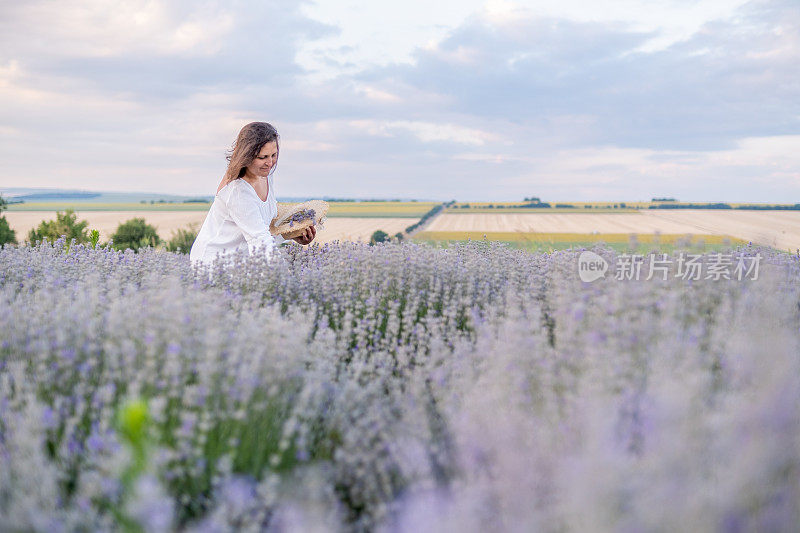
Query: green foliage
{"x": 135, "y": 233}
{"x": 378, "y": 236}
{"x": 7, "y": 235}
{"x": 399, "y": 236}
{"x": 94, "y": 237}
{"x": 133, "y": 425}
{"x": 182, "y": 240}
{"x": 65, "y": 224}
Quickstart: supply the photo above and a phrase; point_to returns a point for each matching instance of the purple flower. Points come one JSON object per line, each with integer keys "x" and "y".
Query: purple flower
{"x": 95, "y": 443}
{"x": 48, "y": 418}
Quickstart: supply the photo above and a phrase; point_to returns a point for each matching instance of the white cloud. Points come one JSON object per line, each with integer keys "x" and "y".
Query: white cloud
{"x": 505, "y": 100}
{"x": 97, "y": 28}
{"x": 426, "y": 131}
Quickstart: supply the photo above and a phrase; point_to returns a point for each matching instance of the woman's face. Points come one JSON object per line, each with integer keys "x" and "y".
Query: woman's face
{"x": 264, "y": 161}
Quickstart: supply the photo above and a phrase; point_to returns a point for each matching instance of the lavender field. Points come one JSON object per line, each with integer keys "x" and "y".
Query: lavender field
{"x": 394, "y": 388}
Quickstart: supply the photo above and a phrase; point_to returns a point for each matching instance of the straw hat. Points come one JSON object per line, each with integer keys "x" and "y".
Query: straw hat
{"x": 283, "y": 225}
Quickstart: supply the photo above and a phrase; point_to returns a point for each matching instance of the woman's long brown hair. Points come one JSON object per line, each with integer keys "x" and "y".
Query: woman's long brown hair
{"x": 248, "y": 144}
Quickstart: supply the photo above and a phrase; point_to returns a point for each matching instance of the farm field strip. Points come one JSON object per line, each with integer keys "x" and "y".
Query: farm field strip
{"x": 558, "y": 223}
{"x": 647, "y": 238}
{"x": 337, "y": 209}
{"x": 106, "y": 222}
{"x": 779, "y": 229}
{"x": 380, "y": 209}
{"x": 115, "y": 206}
{"x": 621, "y": 242}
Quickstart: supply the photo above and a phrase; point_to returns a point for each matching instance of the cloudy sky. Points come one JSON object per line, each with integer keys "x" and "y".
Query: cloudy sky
{"x": 453, "y": 99}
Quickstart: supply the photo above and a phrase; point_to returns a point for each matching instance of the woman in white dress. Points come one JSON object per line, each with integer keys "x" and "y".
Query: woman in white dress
{"x": 245, "y": 201}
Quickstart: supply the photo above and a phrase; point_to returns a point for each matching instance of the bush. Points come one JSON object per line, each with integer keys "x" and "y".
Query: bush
{"x": 399, "y": 236}
{"x": 426, "y": 216}
{"x": 182, "y": 240}
{"x": 378, "y": 236}
{"x": 66, "y": 224}
{"x": 7, "y": 235}
{"x": 135, "y": 234}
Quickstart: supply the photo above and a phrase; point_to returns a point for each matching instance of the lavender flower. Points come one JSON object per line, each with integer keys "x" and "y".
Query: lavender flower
{"x": 396, "y": 388}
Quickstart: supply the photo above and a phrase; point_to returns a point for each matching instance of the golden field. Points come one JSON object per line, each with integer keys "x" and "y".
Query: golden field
{"x": 779, "y": 229}
{"x": 380, "y": 209}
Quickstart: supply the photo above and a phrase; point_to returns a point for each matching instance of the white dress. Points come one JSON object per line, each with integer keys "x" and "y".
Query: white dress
{"x": 238, "y": 220}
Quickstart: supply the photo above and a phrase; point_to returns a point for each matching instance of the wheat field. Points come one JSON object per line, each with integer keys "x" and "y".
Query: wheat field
{"x": 779, "y": 229}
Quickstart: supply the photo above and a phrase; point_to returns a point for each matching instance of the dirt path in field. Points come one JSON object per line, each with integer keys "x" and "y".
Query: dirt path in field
{"x": 166, "y": 222}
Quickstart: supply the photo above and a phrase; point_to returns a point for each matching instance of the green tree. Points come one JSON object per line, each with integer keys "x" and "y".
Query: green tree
{"x": 399, "y": 236}
{"x": 182, "y": 240}
{"x": 378, "y": 236}
{"x": 7, "y": 235}
{"x": 66, "y": 224}
{"x": 135, "y": 233}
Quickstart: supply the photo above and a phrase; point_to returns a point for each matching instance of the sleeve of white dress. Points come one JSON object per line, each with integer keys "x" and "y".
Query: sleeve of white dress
{"x": 245, "y": 213}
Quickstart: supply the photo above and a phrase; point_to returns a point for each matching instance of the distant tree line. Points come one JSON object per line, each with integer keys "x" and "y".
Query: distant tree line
{"x": 756, "y": 207}
{"x": 690, "y": 206}
{"x": 327, "y": 199}
{"x": 759, "y": 207}
{"x": 435, "y": 210}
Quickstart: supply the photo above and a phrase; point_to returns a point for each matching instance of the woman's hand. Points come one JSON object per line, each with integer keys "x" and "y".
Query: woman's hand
{"x": 307, "y": 236}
